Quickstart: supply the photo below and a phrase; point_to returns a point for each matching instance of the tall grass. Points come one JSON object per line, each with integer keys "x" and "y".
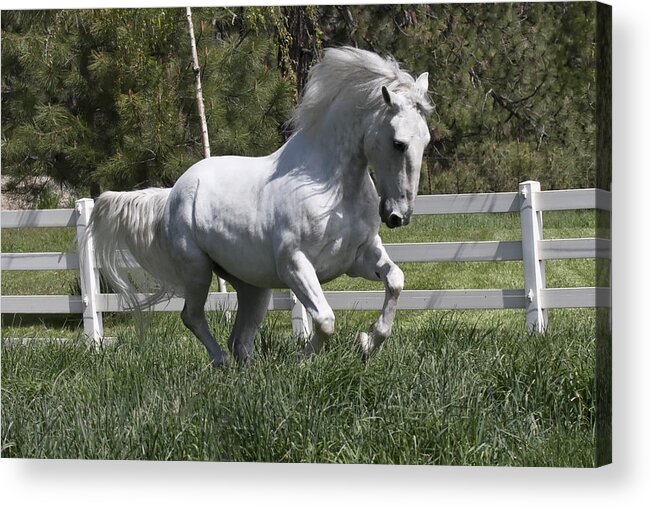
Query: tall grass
{"x": 451, "y": 389}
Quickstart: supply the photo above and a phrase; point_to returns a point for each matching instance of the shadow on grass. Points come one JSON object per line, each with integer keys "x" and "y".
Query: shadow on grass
{"x": 15, "y": 325}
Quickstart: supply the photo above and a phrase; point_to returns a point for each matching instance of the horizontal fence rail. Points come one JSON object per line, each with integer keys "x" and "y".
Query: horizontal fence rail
{"x": 534, "y": 297}
{"x": 497, "y": 250}
{"x": 399, "y": 252}
{"x": 501, "y": 202}
{"x": 39, "y": 218}
{"x": 466, "y": 299}
{"x": 42, "y": 304}
{"x": 588, "y": 198}
{"x": 40, "y": 261}
{"x": 505, "y": 202}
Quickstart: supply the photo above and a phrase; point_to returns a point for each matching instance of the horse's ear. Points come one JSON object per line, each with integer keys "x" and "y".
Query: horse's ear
{"x": 387, "y": 95}
{"x": 392, "y": 100}
{"x": 422, "y": 83}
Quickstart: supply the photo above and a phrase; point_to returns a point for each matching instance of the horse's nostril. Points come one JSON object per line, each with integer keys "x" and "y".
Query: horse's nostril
{"x": 394, "y": 220}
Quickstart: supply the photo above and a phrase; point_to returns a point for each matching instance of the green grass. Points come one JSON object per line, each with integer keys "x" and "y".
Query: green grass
{"x": 452, "y": 389}
{"x": 449, "y": 387}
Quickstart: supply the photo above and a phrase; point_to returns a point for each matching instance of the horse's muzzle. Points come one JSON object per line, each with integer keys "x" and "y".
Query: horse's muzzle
{"x": 392, "y": 216}
{"x": 395, "y": 220}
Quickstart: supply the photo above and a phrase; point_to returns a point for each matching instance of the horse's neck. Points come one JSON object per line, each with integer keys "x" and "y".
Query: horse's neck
{"x": 338, "y": 150}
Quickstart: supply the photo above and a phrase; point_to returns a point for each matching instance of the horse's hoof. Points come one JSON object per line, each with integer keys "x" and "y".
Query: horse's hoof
{"x": 221, "y": 363}
{"x": 307, "y": 351}
{"x": 364, "y": 344}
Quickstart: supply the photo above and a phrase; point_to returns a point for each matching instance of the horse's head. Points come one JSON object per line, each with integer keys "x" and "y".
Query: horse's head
{"x": 394, "y": 148}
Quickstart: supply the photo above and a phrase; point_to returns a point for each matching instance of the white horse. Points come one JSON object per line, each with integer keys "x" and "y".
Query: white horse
{"x": 293, "y": 219}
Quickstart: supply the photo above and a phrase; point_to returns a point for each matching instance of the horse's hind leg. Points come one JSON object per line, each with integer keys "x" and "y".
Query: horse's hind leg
{"x": 252, "y": 305}
{"x": 198, "y": 277}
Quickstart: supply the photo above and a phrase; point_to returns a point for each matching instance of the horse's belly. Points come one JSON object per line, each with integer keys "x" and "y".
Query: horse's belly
{"x": 250, "y": 263}
{"x": 335, "y": 259}
{"x": 255, "y": 262}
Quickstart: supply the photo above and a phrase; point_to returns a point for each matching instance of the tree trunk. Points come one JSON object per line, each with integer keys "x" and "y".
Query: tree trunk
{"x": 298, "y": 46}
{"x": 197, "y": 79}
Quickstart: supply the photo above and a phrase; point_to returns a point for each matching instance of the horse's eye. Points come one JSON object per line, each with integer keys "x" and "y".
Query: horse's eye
{"x": 400, "y": 146}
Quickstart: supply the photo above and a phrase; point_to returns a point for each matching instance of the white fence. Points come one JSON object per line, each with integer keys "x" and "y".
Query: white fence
{"x": 534, "y": 297}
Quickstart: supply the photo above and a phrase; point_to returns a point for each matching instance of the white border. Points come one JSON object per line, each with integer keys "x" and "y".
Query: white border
{"x": 626, "y": 482}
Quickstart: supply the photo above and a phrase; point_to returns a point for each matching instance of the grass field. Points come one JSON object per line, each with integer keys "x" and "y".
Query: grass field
{"x": 462, "y": 387}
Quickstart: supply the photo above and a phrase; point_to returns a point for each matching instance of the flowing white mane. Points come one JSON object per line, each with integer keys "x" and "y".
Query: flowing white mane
{"x": 355, "y": 76}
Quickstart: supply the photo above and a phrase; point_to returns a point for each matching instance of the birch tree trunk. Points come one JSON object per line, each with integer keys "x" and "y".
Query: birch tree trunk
{"x": 200, "y": 106}
{"x": 197, "y": 80}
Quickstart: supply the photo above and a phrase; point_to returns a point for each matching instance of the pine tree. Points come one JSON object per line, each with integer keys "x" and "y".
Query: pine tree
{"x": 513, "y": 84}
{"x": 105, "y": 98}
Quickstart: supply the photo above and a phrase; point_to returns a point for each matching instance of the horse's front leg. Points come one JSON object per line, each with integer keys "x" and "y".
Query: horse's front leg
{"x": 373, "y": 263}
{"x": 299, "y": 275}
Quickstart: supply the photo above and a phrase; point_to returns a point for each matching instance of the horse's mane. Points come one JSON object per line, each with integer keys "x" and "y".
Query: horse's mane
{"x": 356, "y": 76}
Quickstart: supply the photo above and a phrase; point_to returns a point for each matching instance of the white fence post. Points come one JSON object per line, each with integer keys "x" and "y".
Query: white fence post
{"x": 534, "y": 268}
{"x": 301, "y": 321}
{"x": 89, "y": 275}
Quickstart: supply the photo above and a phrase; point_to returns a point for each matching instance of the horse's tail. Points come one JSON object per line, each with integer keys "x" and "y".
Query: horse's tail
{"x": 126, "y": 230}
